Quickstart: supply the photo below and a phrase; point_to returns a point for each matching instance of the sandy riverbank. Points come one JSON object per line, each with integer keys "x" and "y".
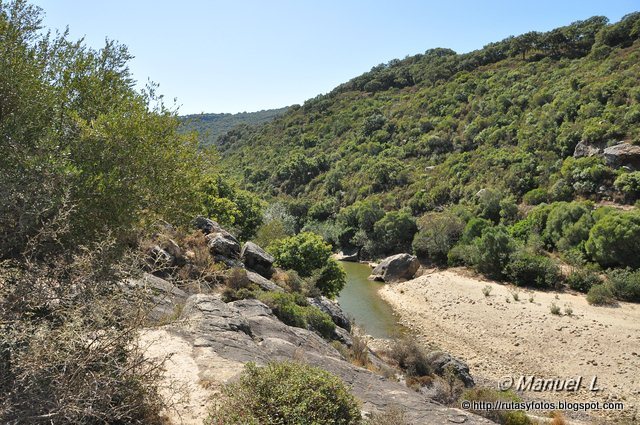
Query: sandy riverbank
{"x": 499, "y": 336}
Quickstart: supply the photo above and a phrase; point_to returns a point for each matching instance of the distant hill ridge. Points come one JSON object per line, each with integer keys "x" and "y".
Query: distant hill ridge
{"x": 212, "y": 126}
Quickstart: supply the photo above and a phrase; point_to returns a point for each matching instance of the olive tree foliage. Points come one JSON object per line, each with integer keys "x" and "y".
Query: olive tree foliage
{"x": 85, "y": 162}
{"x": 77, "y": 136}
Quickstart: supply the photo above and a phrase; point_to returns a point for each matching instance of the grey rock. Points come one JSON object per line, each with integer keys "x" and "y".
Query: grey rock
{"x": 220, "y": 244}
{"x": 623, "y": 155}
{"x": 346, "y": 255}
{"x": 257, "y": 259}
{"x": 263, "y": 283}
{"x": 442, "y": 361}
{"x": 396, "y": 268}
{"x": 209, "y": 226}
{"x": 332, "y": 309}
{"x": 163, "y": 295}
{"x": 247, "y": 330}
{"x": 583, "y": 149}
{"x": 161, "y": 259}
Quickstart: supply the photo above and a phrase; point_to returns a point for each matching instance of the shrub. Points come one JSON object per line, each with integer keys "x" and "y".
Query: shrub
{"x": 554, "y": 309}
{"x": 582, "y": 280}
{"x": 629, "y": 185}
{"x": 437, "y": 234}
{"x": 391, "y": 416}
{"x": 331, "y": 279}
{"x": 568, "y": 224}
{"x": 486, "y": 290}
{"x": 310, "y": 256}
{"x": 394, "y": 232}
{"x": 493, "y": 250}
{"x": 294, "y": 310}
{"x": 526, "y": 269}
{"x": 474, "y": 228}
{"x": 411, "y": 357}
{"x": 625, "y": 284}
{"x": 615, "y": 240}
{"x": 600, "y": 295}
{"x": 535, "y": 196}
{"x": 285, "y": 393}
{"x": 304, "y": 253}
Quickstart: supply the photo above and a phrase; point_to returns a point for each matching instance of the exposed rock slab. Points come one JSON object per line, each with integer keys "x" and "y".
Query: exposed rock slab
{"x": 263, "y": 283}
{"x": 332, "y": 309}
{"x": 623, "y": 155}
{"x": 396, "y": 268}
{"x": 247, "y": 330}
{"x": 257, "y": 259}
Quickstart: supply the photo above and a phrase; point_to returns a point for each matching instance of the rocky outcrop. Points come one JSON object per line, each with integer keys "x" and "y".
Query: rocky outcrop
{"x": 163, "y": 295}
{"x": 396, "y": 268}
{"x": 332, "y": 309}
{"x": 256, "y": 259}
{"x": 241, "y": 331}
{"x": 264, "y": 284}
{"x": 222, "y": 246}
{"x": 623, "y": 155}
{"x": 583, "y": 149}
{"x": 351, "y": 256}
{"x": 442, "y": 362}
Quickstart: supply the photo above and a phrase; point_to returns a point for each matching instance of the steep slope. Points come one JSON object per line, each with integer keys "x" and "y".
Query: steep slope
{"x": 433, "y": 129}
{"x": 211, "y": 126}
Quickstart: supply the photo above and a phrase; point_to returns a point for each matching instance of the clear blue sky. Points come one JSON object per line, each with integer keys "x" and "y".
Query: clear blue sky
{"x": 235, "y": 55}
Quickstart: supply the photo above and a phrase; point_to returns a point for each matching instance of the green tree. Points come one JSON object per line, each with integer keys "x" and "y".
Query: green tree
{"x": 394, "y": 232}
{"x": 615, "y": 240}
{"x": 437, "y": 234}
{"x": 493, "y": 251}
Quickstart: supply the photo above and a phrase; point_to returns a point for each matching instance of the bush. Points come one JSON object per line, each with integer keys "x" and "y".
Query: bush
{"x": 285, "y": 393}
{"x": 331, "y": 279}
{"x": 629, "y": 185}
{"x": 437, "y": 235}
{"x": 493, "y": 250}
{"x": 615, "y": 240}
{"x": 310, "y": 256}
{"x": 568, "y": 225}
{"x": 304, "y": 253}
{"x": 535, "y": 196}
{"x": 294, "y": 310}
{"x": 582, "y": 280}
{"x": 411, "y": 358}
{"x": 600, "y": 295}
{"x": 394, "y": 233}
{"x": 526, "y": 269}
{"x": 625, "y": 284}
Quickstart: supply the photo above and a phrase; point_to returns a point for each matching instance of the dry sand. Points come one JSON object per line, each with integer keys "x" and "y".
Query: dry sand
{"x": 499, "y": 336}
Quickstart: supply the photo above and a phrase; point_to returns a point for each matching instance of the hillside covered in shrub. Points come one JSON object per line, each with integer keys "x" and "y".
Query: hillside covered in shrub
{"x": 494, "y": 158}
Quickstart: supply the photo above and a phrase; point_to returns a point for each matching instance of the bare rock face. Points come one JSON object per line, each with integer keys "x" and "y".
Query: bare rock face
{"x": 396, "y": 268}
{"x": 247, "y": 330}
{"x": 623, "y": 155}
{"x": 257, "y": 259}
{"x": 583, "y": 149}
{"x": 262, "y": 282}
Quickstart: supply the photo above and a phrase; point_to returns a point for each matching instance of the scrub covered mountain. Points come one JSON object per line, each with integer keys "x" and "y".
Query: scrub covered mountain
{"x": 211, "y": 126}
{"x": 500, "y": 158}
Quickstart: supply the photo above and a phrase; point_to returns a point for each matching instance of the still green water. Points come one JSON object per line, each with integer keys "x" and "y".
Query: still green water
{"x": 360, "y": 300}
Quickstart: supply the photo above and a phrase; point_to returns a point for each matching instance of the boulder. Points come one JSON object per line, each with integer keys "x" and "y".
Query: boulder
{"x": 582, "y": 149}
{"x": 623, "y": 155}
{"x": 263, "y": 283}
{"x": 222, "y": 245}
{"x": 442, "y": 362}
{"x": 346, "y": 255}
{"x": 208, "y": 226}
{"x": 332, "y": 309}
{"x": 160, "y": 259}
{"x": 163, "y": 295}
{"x": 256, "y": 259}
{"x": 396, "y": 268}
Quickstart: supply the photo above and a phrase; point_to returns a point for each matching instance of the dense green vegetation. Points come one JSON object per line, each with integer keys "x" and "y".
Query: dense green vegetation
{"x": 210, "y": 127}
{"x": 465, "y": 158}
